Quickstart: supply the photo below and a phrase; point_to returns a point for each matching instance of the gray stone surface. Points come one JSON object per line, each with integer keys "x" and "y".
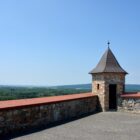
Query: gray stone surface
{"x": 101, "y": 126}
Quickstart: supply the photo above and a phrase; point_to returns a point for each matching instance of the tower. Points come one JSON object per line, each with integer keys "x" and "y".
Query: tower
{"x": 108, "y": 81}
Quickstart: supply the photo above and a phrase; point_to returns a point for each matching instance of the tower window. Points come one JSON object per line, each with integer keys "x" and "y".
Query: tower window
{"x": 98, "y": 86}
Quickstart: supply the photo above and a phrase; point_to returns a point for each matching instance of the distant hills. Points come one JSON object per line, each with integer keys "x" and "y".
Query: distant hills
{"x": 128, "y": 87}
{"x": 88, "y": 87}
{"x": 24, "y": 92}
{"x": 78, "y": 86}
{"x": 132, "y": 87}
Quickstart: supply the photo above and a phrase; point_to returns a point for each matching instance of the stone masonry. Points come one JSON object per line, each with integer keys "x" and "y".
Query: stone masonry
{"x": 130, "y": 104}
{"x": 23, "y": 118}
{"x": 100, "y": 87}
{"x": 108, "y": 80}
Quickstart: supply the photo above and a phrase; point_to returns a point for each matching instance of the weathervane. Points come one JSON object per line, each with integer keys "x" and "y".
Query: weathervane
{"x": 108, "y": 44}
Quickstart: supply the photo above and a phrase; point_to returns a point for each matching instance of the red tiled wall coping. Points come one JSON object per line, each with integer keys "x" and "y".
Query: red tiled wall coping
{"x": 131, "y": 95}
{"x": 12, "y": 104}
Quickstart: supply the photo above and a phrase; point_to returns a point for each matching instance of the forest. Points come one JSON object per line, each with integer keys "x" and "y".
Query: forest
{"x": 11, "y": 93}
{"x": 22, "y": 92}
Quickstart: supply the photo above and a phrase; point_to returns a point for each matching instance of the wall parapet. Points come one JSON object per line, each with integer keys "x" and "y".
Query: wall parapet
{"x": 131, "y": 95}
{"x": 26, "y": 114}
{"x": 21, "y": 103}
{"x": 130, "y": 102}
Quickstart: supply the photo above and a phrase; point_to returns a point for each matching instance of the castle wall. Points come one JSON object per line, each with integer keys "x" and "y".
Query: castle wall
{"x": 17, "y": 116}
{"x": 33, "y": 113}
{"x": 130, "y": 103}
{"x": 102, "y": 90}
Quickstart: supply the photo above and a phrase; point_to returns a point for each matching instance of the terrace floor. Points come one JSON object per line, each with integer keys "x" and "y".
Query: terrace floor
{"x": 101, "y": 126}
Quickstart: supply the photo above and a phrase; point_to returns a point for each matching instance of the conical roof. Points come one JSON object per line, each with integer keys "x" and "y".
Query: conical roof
{"x": 108, "y": 64}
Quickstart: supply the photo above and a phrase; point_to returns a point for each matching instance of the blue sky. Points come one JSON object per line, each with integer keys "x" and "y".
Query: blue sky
{"x": 57, "y": 42}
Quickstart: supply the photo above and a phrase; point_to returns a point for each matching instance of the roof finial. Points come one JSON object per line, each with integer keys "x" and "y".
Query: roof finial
{"x": 108, "y": 44}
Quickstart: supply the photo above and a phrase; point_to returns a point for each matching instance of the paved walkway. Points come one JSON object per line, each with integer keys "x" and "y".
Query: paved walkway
{"x": 101, "y": 126}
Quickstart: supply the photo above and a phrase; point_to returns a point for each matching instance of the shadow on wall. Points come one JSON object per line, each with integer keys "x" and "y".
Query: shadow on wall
{"x": 41, "y": 127}
{"x": 47, "y": 112}
{"x": 99, "y": 108}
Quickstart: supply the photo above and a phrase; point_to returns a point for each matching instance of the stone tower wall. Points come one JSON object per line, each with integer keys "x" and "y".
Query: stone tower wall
{"x": 100, "y": 86}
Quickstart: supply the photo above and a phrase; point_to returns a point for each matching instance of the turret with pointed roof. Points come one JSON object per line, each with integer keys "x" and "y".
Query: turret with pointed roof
{"x": 108, "y": 81}
{"x": 108, "y": 64}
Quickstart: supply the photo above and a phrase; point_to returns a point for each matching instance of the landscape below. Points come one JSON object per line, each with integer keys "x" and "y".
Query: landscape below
{"x": 24, "y": 92}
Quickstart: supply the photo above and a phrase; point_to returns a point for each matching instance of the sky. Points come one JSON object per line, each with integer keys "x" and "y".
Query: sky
{"x": 57, "y": 42}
